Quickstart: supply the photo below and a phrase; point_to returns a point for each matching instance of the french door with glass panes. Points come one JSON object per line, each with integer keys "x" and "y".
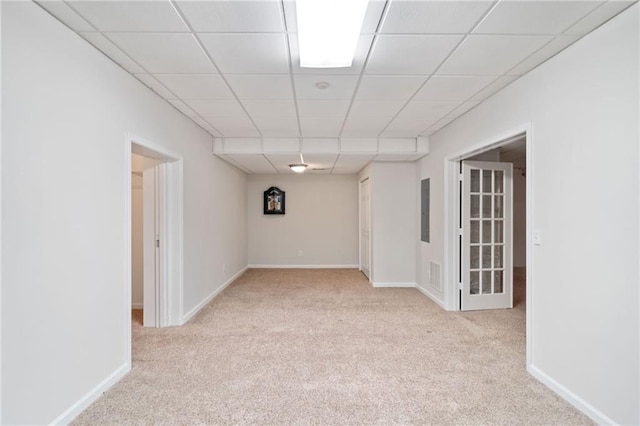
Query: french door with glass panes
{"x": 487, "y": 227}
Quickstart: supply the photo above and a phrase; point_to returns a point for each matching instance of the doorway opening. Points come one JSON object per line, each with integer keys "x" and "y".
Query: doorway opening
{"x": 514, "y": 155}
{"x": 154, "y": 209}
{"x": 487, "y": 257}
{"x": 365, "y": 227}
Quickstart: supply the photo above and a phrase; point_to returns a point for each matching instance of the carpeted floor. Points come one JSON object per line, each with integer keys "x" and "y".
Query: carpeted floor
{"x": 322, "y": 347}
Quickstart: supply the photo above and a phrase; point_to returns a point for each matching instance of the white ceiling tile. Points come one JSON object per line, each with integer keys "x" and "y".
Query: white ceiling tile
{"x": 452, "y": 88}
{"x": 491, "y": 55}
{"x": 281, "y": 144}
{"x": 275, "y": 87}
{"x": 233, "y": 163}
{"x": 599, "y": 16}
{"x": 358, "y": 144}
{"x": 271, "y": 109}
{"x": 534, "y": 17}
{"x": 463, "y": 108}
{"x": 217, "y": 108}
{"x": 363, "y": 127}
{"x": 281, "y": 161}
{"x": 393, "y": 157}
{"x": 379, "y": 109}
{"x": 324, "y": 161}
{"x": 323, "y": 109}
{"x": 261, "y": 16}
{"x": 351, "y": 163}
{"x": 277, "y": 127}
{"x": 439, "y": 125}
{"x": 341, "y": 87}
{"x": 540, "y": 56}
{"x": 369, "y": 23}
{"x": 494, "y": 87}
{"x": 248, "y": 53}
{"x": 131, "y": 16}
{"x": 320, "y": 145}
{"x": 360, "y": 55}
{"x": 112, "y": 51}
{"x": 434, "y": 17}
{"x": 182, "y": 107}
{"x": 255, "y": 163}
{"x": 242, "y": 145}
{"x": 313, "y": 127}
{"x": 397, "y": 144}
{"x": 165, "y": 52}
{"x": 67, "y": 15}
{"x": 424, "y": 110}
{"x": 402, "y": 127}
{"x": 206, "y": 126}
{"x": 234, "y": 127}
{"x": 196, "y": 86}
{"x": 401, "y": 54}
{"x": 384, "y": 87}
{"x": 155, "y": 85}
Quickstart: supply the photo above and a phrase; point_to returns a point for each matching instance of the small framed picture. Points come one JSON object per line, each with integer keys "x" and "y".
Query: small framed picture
{"x": 274, "y": 201}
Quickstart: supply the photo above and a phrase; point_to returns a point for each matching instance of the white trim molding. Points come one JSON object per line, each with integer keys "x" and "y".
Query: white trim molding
{"x": 304, "y": 266}
{"x": 84, "y": 402}
{"x": 596, "y": 415}
{"x": 137, "y": 305}
{"x": 397, "y": 285}
{"x": 209, "y": 298}
{"x": 435, "y": 300}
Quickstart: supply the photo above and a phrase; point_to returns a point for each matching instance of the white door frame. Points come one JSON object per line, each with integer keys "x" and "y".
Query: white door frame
{"x": 170, "y": 202}
{"x": 369, "y": 267}
{"x": 451, "y": 219}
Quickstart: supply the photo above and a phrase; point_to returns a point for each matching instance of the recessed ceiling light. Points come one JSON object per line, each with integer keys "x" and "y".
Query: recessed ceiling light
{"x": 322, "y": 85}
{"x": 328, "y": 31}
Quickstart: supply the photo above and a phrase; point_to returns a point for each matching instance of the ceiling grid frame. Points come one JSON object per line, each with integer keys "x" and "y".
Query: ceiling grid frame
{"x": 344, "y": 114}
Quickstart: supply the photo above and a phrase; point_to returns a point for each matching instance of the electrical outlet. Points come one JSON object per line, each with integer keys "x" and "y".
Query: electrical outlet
{"x": 224, "y": 267}
{"x": 300, "y": 253}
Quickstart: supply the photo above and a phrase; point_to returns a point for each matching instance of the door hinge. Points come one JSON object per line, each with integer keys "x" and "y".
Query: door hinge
{"x": 459, "y": 286}
{"x": 158, "y": 243}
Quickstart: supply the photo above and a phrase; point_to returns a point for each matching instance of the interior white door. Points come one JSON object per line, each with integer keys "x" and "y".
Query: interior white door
{"x": 150, "y": 239}
{"x": 365, "y": 219}
{"x": 487, "y": 228}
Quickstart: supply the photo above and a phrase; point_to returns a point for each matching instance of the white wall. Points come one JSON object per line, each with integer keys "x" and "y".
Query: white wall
{"x": 393, "y": 222}
{"x": 582, "y": 106}
{"x": 321, "y": 220}
{"x": 64, "y": 278}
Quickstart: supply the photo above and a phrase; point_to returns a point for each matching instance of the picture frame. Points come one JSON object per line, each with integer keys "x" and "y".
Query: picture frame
{"x": 274, "y": 201}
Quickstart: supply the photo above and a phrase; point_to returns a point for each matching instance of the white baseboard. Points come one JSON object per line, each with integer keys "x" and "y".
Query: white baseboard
{"x": 398, "y": 285}
{"x": 84, "y": 402}
{"x": 139, "y": 305}
{"x": 209, "y": 298}
{"x": 432, "y": 297}
{"x": 596, "y": 415}
{"x": 304, "y": 266}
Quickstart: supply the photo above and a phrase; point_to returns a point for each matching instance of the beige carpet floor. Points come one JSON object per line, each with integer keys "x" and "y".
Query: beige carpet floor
{"x": 322, "y": 347}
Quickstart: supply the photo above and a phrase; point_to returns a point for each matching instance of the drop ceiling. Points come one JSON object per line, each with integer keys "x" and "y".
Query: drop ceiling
{"x": 233, "y": 66}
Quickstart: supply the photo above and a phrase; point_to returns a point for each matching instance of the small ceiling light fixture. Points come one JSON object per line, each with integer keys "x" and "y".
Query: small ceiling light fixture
{"x": 328, "y": 31}
{"x": 299, "y": 167}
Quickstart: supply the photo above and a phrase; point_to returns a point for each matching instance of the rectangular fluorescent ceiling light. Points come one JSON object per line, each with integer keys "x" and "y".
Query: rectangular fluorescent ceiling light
{"x": 328, "y": 31}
